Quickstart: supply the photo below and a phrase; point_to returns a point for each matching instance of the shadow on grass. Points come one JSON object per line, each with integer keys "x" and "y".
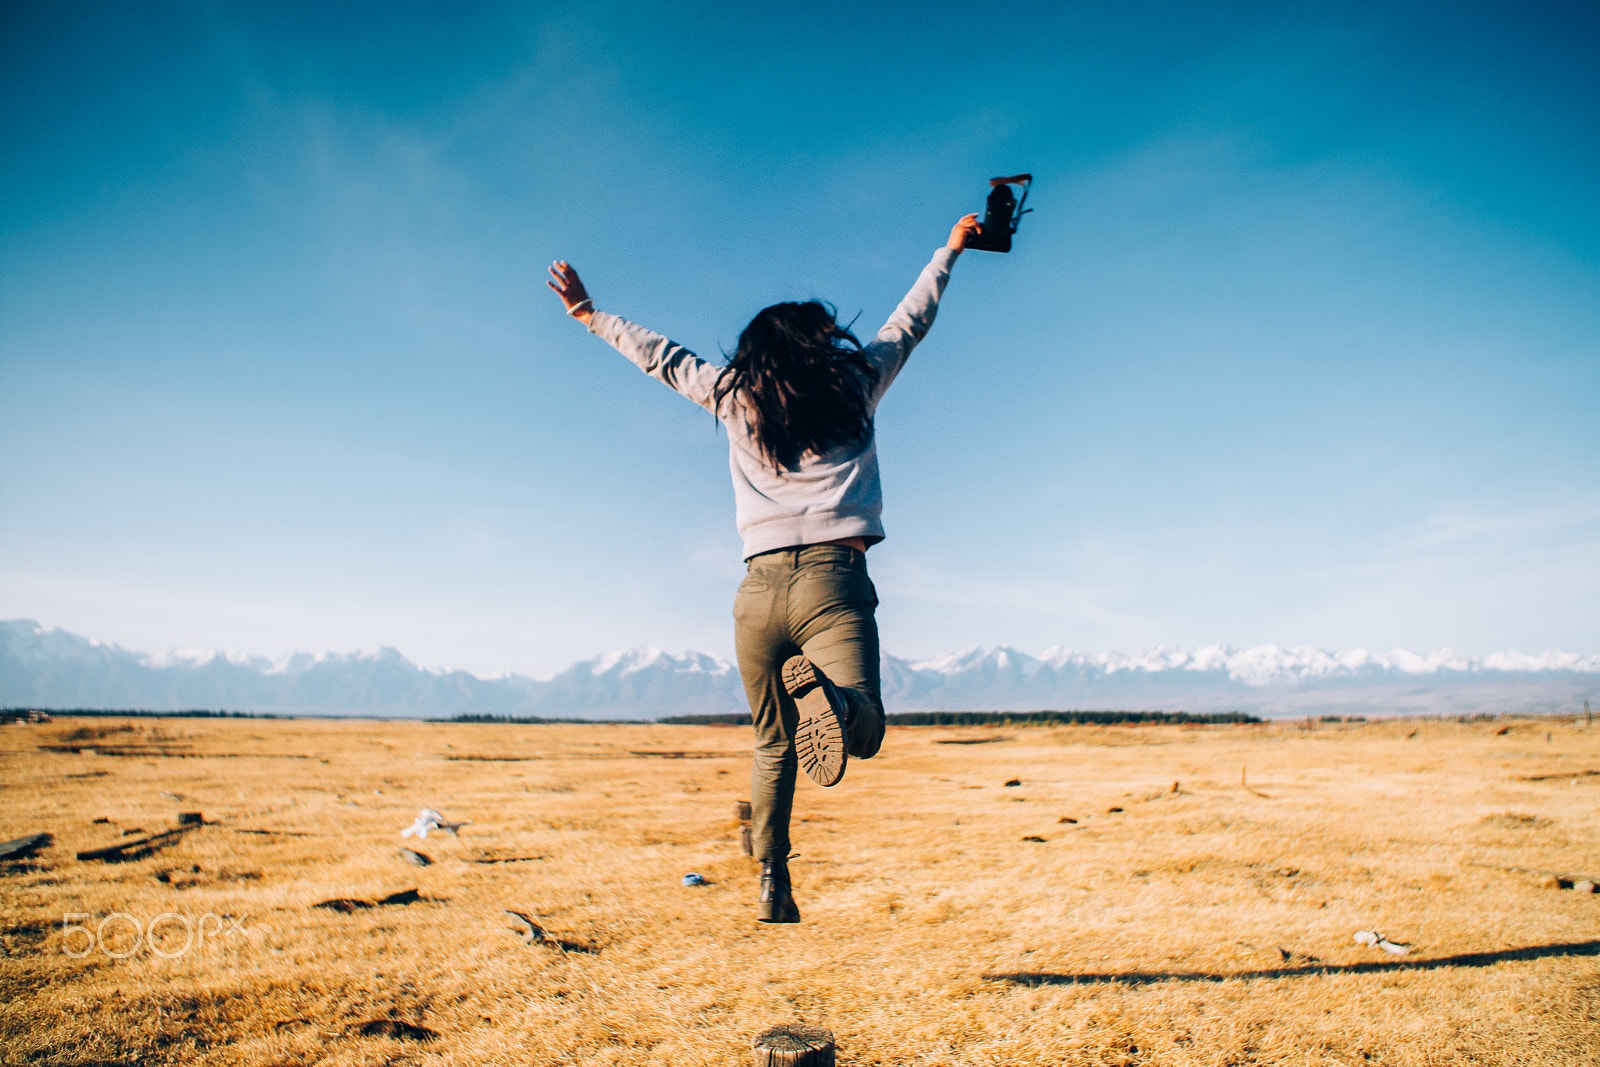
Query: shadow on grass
{"x": 1470, "y": 959}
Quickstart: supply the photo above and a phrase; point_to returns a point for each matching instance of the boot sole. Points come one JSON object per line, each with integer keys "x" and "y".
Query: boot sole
{"x": 819, "y": 741}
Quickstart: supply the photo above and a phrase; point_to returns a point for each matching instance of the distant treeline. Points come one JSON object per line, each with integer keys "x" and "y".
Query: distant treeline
{"x": 132, "y": 713}
{"x": 1072, "y": 718}
{"x": 1003, "y": 718}
{"x": 899, "y": 718}
{"x": 534, "y": 720}
{"x": 732, "y": 718}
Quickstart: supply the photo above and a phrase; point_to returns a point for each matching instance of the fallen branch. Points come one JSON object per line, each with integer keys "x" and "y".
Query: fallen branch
{"x": 1559, "y": 876}
{"x": 1246, "y": 785}
{"x": 537, "y": 935}
{"x": 348, "y": 905}
{"x": 1552, "y": 777}
{"x": 395, "y": 1028}
{"x": 131, "y": 850}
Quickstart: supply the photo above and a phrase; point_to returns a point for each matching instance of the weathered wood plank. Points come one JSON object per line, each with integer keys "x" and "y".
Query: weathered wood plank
{"x": 24, "y": 846}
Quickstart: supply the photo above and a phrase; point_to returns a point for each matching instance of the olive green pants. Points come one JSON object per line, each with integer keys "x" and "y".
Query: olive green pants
{"x": 816, "y": 600}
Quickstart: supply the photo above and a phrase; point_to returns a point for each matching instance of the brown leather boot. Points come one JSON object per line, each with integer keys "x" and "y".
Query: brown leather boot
{"x": 864, "y": 728}
{"x": 776, "y": 904}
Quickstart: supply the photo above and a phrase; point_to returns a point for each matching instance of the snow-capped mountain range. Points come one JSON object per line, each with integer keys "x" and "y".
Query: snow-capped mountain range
{"x": 56, "y": 669}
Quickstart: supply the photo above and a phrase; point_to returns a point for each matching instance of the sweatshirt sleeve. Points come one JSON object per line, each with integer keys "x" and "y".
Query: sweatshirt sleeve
{"x": 662, "y": 359}
{"x": 911, "y": 320}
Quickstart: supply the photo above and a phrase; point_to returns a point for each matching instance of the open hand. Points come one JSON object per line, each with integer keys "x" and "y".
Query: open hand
{"x": 569, "y": 287}
{"x": 963, "y": 231}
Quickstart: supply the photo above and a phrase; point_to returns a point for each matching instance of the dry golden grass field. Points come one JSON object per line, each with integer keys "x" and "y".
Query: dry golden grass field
{"x": 949, "y": 918}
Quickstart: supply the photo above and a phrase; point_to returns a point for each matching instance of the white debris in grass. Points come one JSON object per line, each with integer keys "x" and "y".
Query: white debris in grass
{"x": 428, "y": 819}
{"x": 1377, "y": 940}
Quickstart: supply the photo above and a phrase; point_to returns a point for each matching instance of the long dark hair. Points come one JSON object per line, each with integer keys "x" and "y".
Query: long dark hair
{"x": 807, "y": 384}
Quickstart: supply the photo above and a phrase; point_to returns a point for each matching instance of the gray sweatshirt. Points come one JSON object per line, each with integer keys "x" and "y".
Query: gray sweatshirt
{"x": 826, "y": 497}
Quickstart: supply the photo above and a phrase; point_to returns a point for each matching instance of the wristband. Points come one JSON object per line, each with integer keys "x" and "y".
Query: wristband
{"x": 581, "y": 306}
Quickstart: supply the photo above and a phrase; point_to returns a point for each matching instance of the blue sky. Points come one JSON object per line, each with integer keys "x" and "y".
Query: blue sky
{"x": 1302, "y": 344}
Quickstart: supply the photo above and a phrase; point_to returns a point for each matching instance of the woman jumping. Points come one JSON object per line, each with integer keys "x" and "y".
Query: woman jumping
{"x": 797, "y": 399}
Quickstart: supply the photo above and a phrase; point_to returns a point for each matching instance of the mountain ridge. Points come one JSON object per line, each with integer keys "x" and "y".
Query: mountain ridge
{"x": 55, "y": 668}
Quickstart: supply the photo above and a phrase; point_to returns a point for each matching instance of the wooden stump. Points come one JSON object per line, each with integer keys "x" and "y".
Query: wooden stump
{"x": 741, "y": 810}
{"x": 795, "y": 1046}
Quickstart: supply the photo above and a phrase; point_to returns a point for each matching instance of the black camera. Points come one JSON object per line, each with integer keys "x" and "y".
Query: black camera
{"x": 1001, "y": 214}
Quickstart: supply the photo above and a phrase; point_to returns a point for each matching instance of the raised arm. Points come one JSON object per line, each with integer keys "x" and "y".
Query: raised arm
{"x": 663, "y": 359}
{"x": 911, "y": 320}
